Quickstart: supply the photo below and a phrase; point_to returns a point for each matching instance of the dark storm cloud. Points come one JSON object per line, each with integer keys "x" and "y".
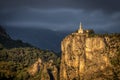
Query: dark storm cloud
{"x": 60, "y": 19}
{"x": 105, "y": 5}
{"x": 61, "y": 14}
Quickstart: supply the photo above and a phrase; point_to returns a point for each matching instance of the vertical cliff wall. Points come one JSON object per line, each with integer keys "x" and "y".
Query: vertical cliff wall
{"x": 84, "y": 58}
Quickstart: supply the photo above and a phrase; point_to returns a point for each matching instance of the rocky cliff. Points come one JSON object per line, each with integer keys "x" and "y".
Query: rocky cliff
{"x": 45, "y": 70}
{"x": 87, "y": 58}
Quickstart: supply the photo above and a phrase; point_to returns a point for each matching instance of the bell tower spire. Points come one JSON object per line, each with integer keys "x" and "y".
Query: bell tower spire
{"x": 80, "y": 28}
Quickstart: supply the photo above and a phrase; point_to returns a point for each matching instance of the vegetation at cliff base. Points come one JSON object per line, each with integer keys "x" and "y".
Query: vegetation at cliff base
{"x": 15, "y": 62}
{"x": 16, "y": 58}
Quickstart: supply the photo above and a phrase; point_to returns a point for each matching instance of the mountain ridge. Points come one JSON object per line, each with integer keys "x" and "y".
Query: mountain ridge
{"x": 41, "y": 38}
{"x": 21, "y": 61}
{"x": 7, "y": 42}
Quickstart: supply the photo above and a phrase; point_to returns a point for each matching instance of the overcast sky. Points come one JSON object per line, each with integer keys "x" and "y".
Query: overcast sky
{"x": 61, "y": 14}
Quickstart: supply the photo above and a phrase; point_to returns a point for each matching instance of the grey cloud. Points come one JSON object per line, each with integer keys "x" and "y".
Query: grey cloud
{"x": 61, "y": 14}
{"x": 104, "y": 5}
{"x": 62, "y": 19}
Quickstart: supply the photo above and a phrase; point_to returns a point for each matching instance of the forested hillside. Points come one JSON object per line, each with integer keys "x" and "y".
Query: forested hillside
{"x": 18, "y": 58}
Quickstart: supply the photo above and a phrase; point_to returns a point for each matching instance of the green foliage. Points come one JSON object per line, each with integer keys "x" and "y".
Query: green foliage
{"x": 114, "y": 46}
{"x": 15, "y": 62}
{"x": 22, "y": 75}
{"x": 57, "y": 62}
{"x": 7, "y": 70}
{"x": 112, "y": 35}
{"x": 116, "y": 59}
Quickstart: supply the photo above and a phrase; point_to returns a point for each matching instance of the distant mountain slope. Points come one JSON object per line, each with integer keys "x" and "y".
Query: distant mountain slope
{"x": 41, "y": 38}
{"x": 21, "y": 61}
{"x": 7, "y": 42}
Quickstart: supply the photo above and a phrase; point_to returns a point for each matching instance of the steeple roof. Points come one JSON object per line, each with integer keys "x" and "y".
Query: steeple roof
{"x": 80, "y": 27}
{"x": 80, "y": 30}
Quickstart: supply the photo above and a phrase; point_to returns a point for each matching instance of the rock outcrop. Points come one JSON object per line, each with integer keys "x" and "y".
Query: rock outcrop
{"x": 85, "y": 58}
{"x": 35, "y": 67}
{"x": 46, "y": 70}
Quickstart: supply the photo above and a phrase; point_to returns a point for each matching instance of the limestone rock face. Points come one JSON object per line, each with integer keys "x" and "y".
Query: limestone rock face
{"x": 46, "y": 70}
{"x": 35, "y": 67}
{"x": 83, "y": 58}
